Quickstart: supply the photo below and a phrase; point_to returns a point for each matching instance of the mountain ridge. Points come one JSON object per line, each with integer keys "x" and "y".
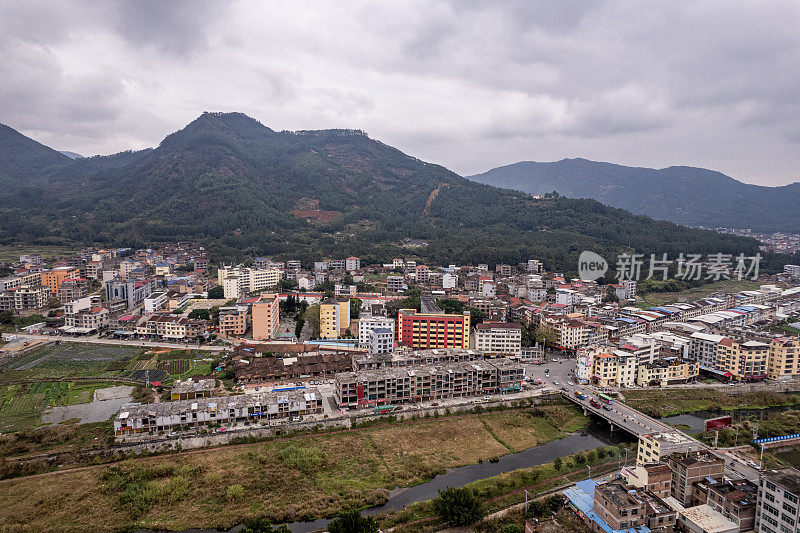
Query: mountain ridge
{"x": 682, "y": 194}
{"x": 229, "y": 181}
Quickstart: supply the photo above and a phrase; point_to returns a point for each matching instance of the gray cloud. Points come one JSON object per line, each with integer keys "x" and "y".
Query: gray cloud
{"x": 470, "y": 85}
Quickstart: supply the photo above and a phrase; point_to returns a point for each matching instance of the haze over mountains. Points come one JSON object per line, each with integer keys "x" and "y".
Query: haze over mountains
{"x": 242, "y": 188}
{"x": 685, "y": 195}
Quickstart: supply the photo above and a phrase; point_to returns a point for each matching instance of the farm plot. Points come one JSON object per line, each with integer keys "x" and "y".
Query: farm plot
{"x": 70, "y": 360}
{"x": 22, "y": 405}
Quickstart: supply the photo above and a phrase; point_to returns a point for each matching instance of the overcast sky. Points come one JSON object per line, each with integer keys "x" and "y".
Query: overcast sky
{"x": 469, "y": 85}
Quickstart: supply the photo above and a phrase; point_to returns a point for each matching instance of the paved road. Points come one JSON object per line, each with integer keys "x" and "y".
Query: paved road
{"x": 148, "y": 344}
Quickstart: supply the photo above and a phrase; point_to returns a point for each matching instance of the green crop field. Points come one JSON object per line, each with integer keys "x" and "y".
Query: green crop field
{"x": 22, "y": 405}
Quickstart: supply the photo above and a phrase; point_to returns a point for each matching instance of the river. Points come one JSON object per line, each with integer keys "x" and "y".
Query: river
{"x": 460, "y": 476}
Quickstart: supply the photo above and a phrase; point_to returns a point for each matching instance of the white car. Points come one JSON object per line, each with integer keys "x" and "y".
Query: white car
{"x": 555, "y": 359}
{"x": 487, "y": 398}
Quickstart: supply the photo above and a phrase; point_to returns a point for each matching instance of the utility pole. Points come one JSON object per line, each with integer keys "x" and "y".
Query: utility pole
{"x": 526, "y": 502}
{"x": 590, "y": 471}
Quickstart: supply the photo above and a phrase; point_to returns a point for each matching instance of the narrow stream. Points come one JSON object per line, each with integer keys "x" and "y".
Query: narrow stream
{"x": 460, "y": 476}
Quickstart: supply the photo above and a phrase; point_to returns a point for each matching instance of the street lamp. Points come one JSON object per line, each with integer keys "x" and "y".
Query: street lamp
{"x": 590, "y": 471}
{"x": 526, "y": 502}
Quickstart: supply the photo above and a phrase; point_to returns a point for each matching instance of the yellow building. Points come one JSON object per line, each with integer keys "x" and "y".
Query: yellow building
{"x": 783, "y": 362}
{"x": 266, "y": 317}
{"x": 334, "y": 317}
{"x": 614, "y": 369}
{"x": 744, "y": 360}
{"x": 666, "y": 371}
{"x": 52, "y": 279}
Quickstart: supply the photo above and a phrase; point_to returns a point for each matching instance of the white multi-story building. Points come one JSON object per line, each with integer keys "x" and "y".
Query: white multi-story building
{"x": 155, "y": 301}
{"x": 778, "y": 503}
{"x": 238, "y": 281}
{"x": 704, "y": 349}
{"x": 352, "y": 263}
{"x": 368, "y": 324}
{"x": 381, "y": 340}
{"x": 498, "y": 338}
{"x": 792, "y": 270}
{"x": 449, "y": 281}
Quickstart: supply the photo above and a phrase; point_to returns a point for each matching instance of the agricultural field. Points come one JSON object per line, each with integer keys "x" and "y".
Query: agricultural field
{"x": 22, "y": 405}
{"x": 284, "y": 479}
{"x": 27, "y": 386}
{"x": 10, "y": 254}
{"x": 662, "y": 298}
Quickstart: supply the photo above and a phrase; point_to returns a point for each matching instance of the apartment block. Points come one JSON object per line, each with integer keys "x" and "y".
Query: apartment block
{"x": 238, "y": 281}
{"x": 72, "y": 289}
{"x": 191, "y": 389}
{"x": 155, "y": 301}
{"x": 54, "y": 277}
{"x": 784, "y": 359}
{"x": 777, "y": 509}
{"x": 498, "y": 338}
{"x": 24, "y": 297}
{"x": 704, "y": 348}
{"x": 368, "y": 324}
{"x": 265, "y": 317}
{"x": 334, "y": 317}
{"x": 414, "y": 384}
{"x": 352, "y": 263}
{"x": 424, "y": 331}
{"x": 745, "y": 360}
{"x": 233, "y": 321}
{"x": 735, "y": 500}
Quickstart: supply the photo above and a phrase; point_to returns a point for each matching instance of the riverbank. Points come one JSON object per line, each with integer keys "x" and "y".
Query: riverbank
{"x": 662, "y": 403}
{"x": 508, "y": 489}
{"x": 284, "y": 480}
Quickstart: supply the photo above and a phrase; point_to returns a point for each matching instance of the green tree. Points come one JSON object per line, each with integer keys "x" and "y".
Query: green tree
{"x": 545, "y": 334}
{"x": 199, "y": 314}
{"x": 476, "y": 316}
{"x": 298, "y": 328}
{"x": 262, "y": 525}
{"x": 216, "y": 293}
{"x": 558, "y": 463}
{"x": 311, "y": 317}
{"x": 353, "y": 522}
{"x": 611, "y": 295}
{"x": 6, "y": 317}
{"x": 355, "y": 308}
{"x": 458, "y": 506}
{"x": 53, "y": 302}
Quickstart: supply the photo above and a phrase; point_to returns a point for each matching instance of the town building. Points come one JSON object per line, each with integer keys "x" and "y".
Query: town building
{"x": 498, "y": 338}
{"x": 783, "y": 363}
{"x": 778, "y": 503}
{"x": 690, "y": 468}
{"x": 155, "y": 301}
{"x": 735, "y": 500}
{"x": 152, "y": 418}
{"x": 54, "y": 277}
{"x": 745, "y": 360}
{"x": 233, "y": 321}
{"x": 239, "y": 281}
{"x": 73, "y": 289}
{"x": 171, "y": 327}
{"x": 132, "y": 291}
{"x": 423, "y": 331}
{"x": 24, "y": 298}
{"x": 368, "y": 324}
{"x": 265, "y": 317}
{"x": 191, "y": 389}
{"x": 367, "y": 388}
{"x": 334, "y": 317}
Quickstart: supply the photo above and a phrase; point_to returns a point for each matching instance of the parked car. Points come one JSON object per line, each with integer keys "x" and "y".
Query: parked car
{"x": 487, "y": 398}
{"x": 295, "y": 419}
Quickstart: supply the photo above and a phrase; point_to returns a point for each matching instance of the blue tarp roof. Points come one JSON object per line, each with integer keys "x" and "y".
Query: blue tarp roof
{"x": 628, "y": 320}
{"x": 582, "y": 498}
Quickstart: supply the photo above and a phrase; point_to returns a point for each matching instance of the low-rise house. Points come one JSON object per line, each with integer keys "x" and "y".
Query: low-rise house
{"x": 190, "y": 389}
{"x": 227, "y": 410}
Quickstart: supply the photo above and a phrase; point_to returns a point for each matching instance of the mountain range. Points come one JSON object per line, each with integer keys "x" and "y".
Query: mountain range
{"x": 685, "y": 195}
{"x": 243, "y": 189}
